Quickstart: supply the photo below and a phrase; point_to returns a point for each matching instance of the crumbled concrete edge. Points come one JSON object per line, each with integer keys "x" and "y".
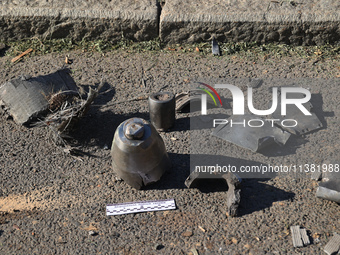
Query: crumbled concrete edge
{"x": 297, "y": 29}
{"x": 290, "y": 27}
{"x": 90, "y": 24}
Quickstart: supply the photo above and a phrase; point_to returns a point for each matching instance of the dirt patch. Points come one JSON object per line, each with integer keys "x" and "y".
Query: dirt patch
{"x": 43, "y": 199}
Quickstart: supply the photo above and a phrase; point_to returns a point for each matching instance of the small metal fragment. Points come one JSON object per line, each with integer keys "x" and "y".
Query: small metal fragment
{"x": 215, "y": 48}
{"x": 296, "y": 236}
{"x": 333, "y": 245}
{"x": 185, "y": 98}
{"x": 252, "y": 138}
{"x": 304, "y": 236}
{"x": 329, "y": 190}
{"x": 162, "y": 110}
{"x": 233, "y": 193}
{"x": 26, "y": 98}
{"x": 305, "y": 124}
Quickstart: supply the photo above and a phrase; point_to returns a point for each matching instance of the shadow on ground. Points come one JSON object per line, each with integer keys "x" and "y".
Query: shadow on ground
{"x": 256, "y": 196}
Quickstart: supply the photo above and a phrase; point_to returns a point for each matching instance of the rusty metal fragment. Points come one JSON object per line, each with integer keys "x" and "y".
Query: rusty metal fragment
{"x": 27, "y": 98}
{"x": 252, "y": 138}
{"x": 233, "y": 193}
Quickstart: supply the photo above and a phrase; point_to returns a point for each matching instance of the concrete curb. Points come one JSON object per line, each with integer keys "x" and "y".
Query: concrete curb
{"x": 313, "y": 22}
{"x": 308, "y": 23}
{"x": 136, "y": 20}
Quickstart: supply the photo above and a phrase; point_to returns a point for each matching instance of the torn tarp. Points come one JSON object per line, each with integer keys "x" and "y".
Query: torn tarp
{"x": 249, "y": 137}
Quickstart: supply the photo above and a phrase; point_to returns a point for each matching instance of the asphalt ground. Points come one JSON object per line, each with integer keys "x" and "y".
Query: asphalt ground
{"x": 50, "y": 200}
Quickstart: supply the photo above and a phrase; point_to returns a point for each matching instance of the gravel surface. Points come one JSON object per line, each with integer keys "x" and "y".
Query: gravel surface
{"x": 54, "y": 203}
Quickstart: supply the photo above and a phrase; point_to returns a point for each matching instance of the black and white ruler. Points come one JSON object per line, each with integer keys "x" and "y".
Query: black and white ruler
{"x": 141, "y": 206}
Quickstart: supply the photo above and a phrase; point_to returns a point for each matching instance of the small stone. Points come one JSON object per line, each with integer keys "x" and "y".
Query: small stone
{"x": 234, "y": 240}
{"x": 187, "y": 233}
{"x": 247, "y": 246}
{"x": 92, "y": 233}
{"x": 60, "y": 240}
{"x": 106, "y": 147}
{"x": 159, "y": 247}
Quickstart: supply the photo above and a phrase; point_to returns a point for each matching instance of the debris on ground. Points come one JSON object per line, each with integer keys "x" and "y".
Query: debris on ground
{"x": 162, "y": 110}
{"x": 333, "y": 246}
{"x": 215, "y": 48}
{"x": 329, "y": 190}
{"x": 329, "y": 187}
{"x": 138, "y": 153}
{"x": 187, "y": 98}
{"x": 305, "y": 123}
{"x": 66, "y": 110}
{"x": 21, "y": 55}
{"x": 50, "y": 100}
{"x": 140, "y": 206}
{"x": 248, "y": 137}
{"x": 233, "y": 194}
{"x": 299, "y": 236}
{"x": 27, "y": 98}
